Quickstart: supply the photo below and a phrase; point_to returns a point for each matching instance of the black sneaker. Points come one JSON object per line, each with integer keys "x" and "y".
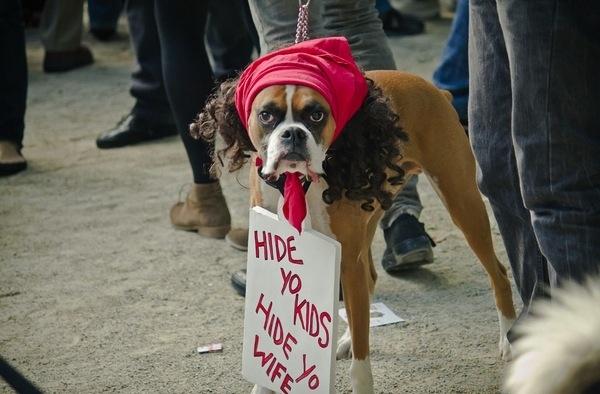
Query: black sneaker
{"x": 408, "y": 246}
{"x": 133, "y": 130}
{"x": 238, "y": 281}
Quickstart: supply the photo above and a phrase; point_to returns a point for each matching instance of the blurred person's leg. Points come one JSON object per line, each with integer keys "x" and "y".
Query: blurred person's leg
{"x": 13, "y": 85}
{"x": 229, "y": 38}
{"x": 396, "y": 23}
{"x": 452, "y": 72}
{"x": 150, "y": 117}
{"x": 490, "y": 118}
{"x": 104, "y": 15}
{"x": 554, "y": 52}
{"x": 61, "y": 27}
{"x": 188, "y": 82}
{"x": 422, "y": 9}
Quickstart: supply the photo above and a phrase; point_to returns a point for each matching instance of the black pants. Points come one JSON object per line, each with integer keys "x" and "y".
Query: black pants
{"x": 174, "y": 77}
{"x": 13, "y": 72}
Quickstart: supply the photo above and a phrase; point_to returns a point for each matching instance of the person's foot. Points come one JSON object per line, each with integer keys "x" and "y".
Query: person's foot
{"x": 237, "y": 238}
{"x": 103, "y": 34}
{"x": 407, "y": 245}
{"x": 11, "y": 160}
{"x": 238, "y": 281}
{"x": 204, "y": 211}
{"x": 61, "y": 61}
{"x": 395, "y": 23}
{"x": 133, "y": 130}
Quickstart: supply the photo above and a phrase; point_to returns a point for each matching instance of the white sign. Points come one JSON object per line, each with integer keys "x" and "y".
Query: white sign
{"x": 290, "y": 320}
{"x": 380, "y": 315}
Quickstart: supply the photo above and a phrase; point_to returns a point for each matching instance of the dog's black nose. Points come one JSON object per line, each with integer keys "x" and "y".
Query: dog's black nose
{"x": 293, "y": 135}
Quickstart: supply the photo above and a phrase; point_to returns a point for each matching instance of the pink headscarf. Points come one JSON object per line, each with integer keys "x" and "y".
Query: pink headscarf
{"x": 325, "y": 65}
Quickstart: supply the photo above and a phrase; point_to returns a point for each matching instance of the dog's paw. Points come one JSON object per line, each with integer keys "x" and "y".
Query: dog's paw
{"x": 344, "y": 346}
{"x": 361, "y": 377}
{"x": 261, "y": 390}
{"x": 505, "y": 349}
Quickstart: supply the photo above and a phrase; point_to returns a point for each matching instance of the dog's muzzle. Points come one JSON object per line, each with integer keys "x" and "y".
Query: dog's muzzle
{"x": 294, "y": 140}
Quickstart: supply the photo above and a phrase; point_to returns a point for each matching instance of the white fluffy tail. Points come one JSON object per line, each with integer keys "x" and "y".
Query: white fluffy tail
{"x": 559, "y": 351}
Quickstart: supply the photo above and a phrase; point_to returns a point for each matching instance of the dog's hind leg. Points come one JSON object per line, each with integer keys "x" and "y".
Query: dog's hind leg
{"x": 450, "y": 167}
{"x": 352, "y": 227}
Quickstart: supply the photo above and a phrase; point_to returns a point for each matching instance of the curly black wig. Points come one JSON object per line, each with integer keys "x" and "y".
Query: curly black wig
{"x": 355, "y": 164}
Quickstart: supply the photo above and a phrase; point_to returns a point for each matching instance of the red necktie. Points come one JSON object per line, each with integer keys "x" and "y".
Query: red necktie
{"x": 294, "y": 201}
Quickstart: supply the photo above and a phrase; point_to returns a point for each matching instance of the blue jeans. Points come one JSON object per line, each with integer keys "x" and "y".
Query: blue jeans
{"x": 358, "y": 21}
{"x": 535, "y": 130}
{"x": 452, "y": 73}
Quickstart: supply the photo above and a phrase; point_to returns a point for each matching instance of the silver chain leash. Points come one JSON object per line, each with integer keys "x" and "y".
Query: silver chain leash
{"x": 302, "y": 27}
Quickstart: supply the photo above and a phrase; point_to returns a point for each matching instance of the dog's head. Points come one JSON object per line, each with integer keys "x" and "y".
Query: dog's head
{"x": 293, "y": 127}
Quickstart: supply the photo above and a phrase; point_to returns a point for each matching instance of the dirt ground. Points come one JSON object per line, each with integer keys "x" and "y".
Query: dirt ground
{"x": 98, "y": 293}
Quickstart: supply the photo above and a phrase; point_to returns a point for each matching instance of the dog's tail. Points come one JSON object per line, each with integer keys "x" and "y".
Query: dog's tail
{"x": 559, "y": 351}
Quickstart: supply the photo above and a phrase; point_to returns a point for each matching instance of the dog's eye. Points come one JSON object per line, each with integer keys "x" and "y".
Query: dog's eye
{"x": 266, "y": 117}
{"x": 317, "y": 116}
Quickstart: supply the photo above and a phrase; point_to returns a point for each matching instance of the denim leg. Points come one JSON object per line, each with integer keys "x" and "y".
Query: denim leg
{"x": 407, "y": 201}
{"x": 358, "y": 21}
{"x": 554, "y": 52}
{"x": 275, "y": 22}
{"x": 13, "y": 72}
{"x": 452, "y": 73}
{"x": 147, "y": 85}
{"x": 490, "y": 126}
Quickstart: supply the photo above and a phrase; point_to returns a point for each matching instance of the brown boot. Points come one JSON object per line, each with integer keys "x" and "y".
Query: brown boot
{"x": 237, "y": 238}
{"x": 204, "y": 210}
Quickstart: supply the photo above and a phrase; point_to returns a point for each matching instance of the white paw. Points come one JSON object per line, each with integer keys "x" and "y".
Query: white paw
{"x": 344, "y": 346}
{"x": 505, "y": 349}
{"x": 361, "y": 377}
{"x": 504, "y": 345}
{"x": 261, "y": 390}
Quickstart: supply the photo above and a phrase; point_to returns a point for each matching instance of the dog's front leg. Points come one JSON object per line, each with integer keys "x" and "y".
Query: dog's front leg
{"x": 351, "y": 231}
{"x": 356, "y": 298}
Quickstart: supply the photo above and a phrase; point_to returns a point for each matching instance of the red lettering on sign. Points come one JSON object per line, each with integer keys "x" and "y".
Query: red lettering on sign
{"x": 280, "y": 248}
{"x": 324, "y": 343}
{"x": 291, "y": 281}
{"x": 270, "y": 237}
{"x": 311, "y": 320}
{"x": 290, "y": 249}
{"x": 260, "y": 244}
{"x": 277, "y": 371}
{"x": 266, "y": 311}
{"x": 273, "y": 247}
{"x": 275, "y": 327}
{"x": 257, "y": 353}
{"x": 298, "y": 311}
{"x": 286, "y": 345}
{"x": 275, "y": 368}
{"x": 285, "y": 385}
{"x": 313, "y": 381}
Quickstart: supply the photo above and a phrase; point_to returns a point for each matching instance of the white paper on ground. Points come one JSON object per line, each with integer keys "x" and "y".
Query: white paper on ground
{"x": 381, "y": 315}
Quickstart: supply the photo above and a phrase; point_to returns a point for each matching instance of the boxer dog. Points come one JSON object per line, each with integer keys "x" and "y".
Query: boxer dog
{"x": 307, "y": 113}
